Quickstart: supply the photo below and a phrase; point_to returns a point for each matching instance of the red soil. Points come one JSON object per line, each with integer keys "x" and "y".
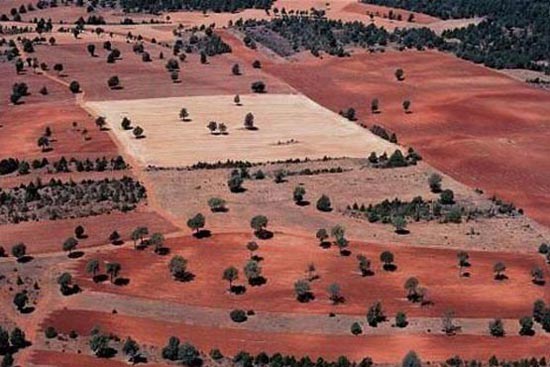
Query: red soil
{"x": 48, "y": 236}
{"x": 286, "y": 258}
{"x": 151, "y": 80}
{"x": 479, "y": 126}
{"x": 383, "y": 349}
{"x": 22, "y": 125}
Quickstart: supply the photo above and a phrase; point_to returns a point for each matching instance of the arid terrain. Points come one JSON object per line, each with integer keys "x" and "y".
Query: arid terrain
{"x": 284, "y": 183}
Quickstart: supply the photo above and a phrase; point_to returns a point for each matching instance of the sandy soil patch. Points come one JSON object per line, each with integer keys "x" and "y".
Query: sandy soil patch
{"x": 169, "y": 141}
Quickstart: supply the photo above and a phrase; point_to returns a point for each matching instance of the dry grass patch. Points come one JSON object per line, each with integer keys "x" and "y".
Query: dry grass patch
{"x": 288, "y": 126}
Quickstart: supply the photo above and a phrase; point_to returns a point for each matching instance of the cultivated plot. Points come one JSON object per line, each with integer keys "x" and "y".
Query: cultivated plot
{"x": 286, "y": 126}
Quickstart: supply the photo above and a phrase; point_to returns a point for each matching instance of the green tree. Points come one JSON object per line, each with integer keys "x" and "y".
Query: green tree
{"x": 335, "y": 293}
{"x": 19, "y": 251}
{"x": 434, "y": 181}
{"x": 249, "y": 121}
{"x": 212, "y": 126}
{"x": 253, "y": 271}
{"x": 526, "y": 326}
{"x": 252, "y": 246}
{"x": 217, "y": 205}
{"x": 230, "y": 274}
{"x": 322, "y": 235}
{"x": 447, "y": 197}
{"x": 356, "y": 328}
{"x": 401, "y": 320}
{"x": 92, "y": 267}
{"x": 463, "y": 261}
{"x": 113, "y": 270}
{"x": 74, "y": 87}
{"x": 298, "y": 195}
{"x": 69, "y": 245}
{"x": 259, "y": 224}
{"x": 499, "y": 268}
{"x": 138, "y": 132}
{"x": 184, "y": 114}
{"x": 411, "y": 360}
{"x": 364, "y": 265}
{"x": 399, "y": 223}
{"x": 99, "y": 344}
{"x": 20, "y": 301}
{"x": 196, "y": 223}
{"x": 496, "y": 328}
{"x": 178, "y": 267}
{"x": 302, "y": 290}
{"x": 131, "y": 349}
{"x": 387, "y": 259}
{"x": 406, "y": 106}
{"x": 18, "y": 339}
{"x": 400, "y": 75}
{"x": 537, "y": 275}
{"x": 324, "y": 204}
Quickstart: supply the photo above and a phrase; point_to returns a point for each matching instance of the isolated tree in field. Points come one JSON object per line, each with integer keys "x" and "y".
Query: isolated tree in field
{"x": 526, "y": 326}
{"x": 217, "y": 204}
{"x": 92, "y": 267}
{"x": 175, "y": 76}
{"x": 399, "y": 223}
{"x": 252, "y": 271}
{"x": 537, "y": 275}
{"x": 257, "y": 64}
{"x": 80, "y": 232}
{"x": 342, "y": 244}
{"x": 222, "y": 128}
{"x": 69, "y": 245}
{"x": 539, "y": 309}
{"x": 157, "y": 240}
{"x": 130, "y": 348}
{"x": 322, "y": 235}
{"x": 447, "y": 323}
{"x": 212, "y": 126}
{"x": 230, "y": 274}
{"x": 258, "y": 87}
{"x": 196, "y": 223}
{"x": 114, "y": 237}
{"x": 172, "y": 65}
{"x": 499, "y": 268}
{"x": 249, "y": 121}
{"x": 311, "y": 272}
{"x": 298, "y": 195}
{"x": 114, "y": 82}
{"x": 411, "y": 360}
{"x": 43, "y": 143}
{"x": 100, "y": 122}
{"x": 113, "y": 270}
{"x": 235, "y": 183}
{"x": 387, "y": 260}
{"x": 401, "y": 319}
{"x": 58, "y": 68}
{"x": 236, "y": 70}
{"x": 74, "y": 87}
{"x": 335, "y": 293}
{"x": 19, "y": 251}
{"x": 496, "y": 328}
{"x": 463, "y": 261}
{"x": 356, "y": 328}
{"x": 259, "y": 224}
{"x": 178, "y": 267}
{"x": 338, "y": 231}
{"x": 126, "y": 124}
{"x": 447, "y": 197}
{"x": 20, "y": 301}
{"x": 364, "y": 265}
{"x": 412, "y": 286}
{"x": 375, "y": 314}
{"x": 99, "y": 344}
{"x": 91, "y": 49}
{"x": 407, "y": 106}
{"x": 375, "y": 105}
{"x": 435, "y": 182}
{"x": 302, "y": 290}
{"x": 138, "y": 132}
{"x": 252, "y": 246}
{"x": 399, "y": 75}
{"x": 237, "y": 100}
{"x": 324, "y": 204}
{"x": 184, "y": 114}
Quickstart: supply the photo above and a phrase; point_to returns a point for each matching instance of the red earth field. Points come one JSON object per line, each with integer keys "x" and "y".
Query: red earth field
{"x": 477, "y": 125}
{"x": 286, "y": 257}
{"x": 383, "y": 349}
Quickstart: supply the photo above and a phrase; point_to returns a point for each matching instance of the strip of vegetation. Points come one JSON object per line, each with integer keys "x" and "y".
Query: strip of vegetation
{"x": 60, "y": 200}
{"x": 397, "y": 159}
{"x": 23, "y": 167}
{"x": 217, "y": 6}
{"x": 444, "y": 210}
{"x": 514, "y": 34}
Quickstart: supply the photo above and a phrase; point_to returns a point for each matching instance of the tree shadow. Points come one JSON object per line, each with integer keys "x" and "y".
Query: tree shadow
{"x": 121, "y": 282}
{"x": 303, "y": 203}
{"x": 185, "y": 277}
{"x": 257, "y": 282}
{"x": 163, "y": 251}
{"x": 238, "y": 289}
{"x": 117, "y": 242}
{"x": 540, "y": 282}
{"x": 107, "y": 353}
{"x": 100, "y": 278}
{"x": 75, "y": 254}
{"x": 345, "y": 252}
{"x": 82, "y": 237}
{"x": 25, "y": 259}
{"x": 367, "y": 273}
{"x": 264, "y": 234}
{"x": 203, "y": 233}
{"x": 501, "y": 277}
{"x": 390, "y": 267}
{"x": 325, "y": 245}
{"x": 27, "y": 310}
{"x": 402, "y": 231}
{"x": 220, "y": 210}
{"x": 466, "y": 274}
{"x": 257, "y": 258}
{"x": 305, "y": 298}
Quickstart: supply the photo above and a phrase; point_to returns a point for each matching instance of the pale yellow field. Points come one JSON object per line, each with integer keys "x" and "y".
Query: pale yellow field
{"x": 170, "y": 142}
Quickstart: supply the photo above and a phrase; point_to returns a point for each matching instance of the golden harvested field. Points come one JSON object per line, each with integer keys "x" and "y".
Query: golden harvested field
{"x": 169, "y": 142}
